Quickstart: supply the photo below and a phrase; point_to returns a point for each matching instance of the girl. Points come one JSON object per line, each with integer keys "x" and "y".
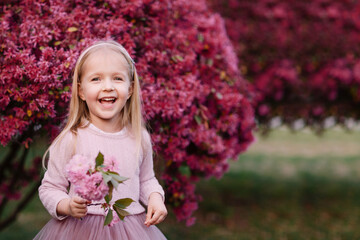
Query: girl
{"x": 104, "y": 115}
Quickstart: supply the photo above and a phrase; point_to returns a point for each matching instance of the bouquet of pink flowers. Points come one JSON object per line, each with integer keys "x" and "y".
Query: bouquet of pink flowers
{"x": 95, "y": 180}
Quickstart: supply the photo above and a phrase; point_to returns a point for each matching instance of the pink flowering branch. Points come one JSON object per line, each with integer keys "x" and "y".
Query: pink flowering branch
{"x": 96, "y": 181}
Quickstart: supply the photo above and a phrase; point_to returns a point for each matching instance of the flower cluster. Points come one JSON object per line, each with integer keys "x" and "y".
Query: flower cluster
{"x": 88, "y": 182}
{"x": 194, "y": 97}
{"x": 95, "y": 180}
{"x": 301, "y": 56}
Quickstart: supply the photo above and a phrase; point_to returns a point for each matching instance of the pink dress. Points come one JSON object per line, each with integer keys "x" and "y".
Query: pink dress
{"x": 141, "y": 183}
{"x": 91, "y": 228}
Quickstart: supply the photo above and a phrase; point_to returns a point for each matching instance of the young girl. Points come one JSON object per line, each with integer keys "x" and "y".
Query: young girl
{"x": 104, "y": 115}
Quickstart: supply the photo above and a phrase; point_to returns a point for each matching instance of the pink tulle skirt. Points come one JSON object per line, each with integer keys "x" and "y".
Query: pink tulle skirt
{"x": 91, "y": 227}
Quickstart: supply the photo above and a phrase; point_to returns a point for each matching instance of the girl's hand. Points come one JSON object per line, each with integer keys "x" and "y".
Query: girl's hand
{"x": 75, "y": 207}
{"x": 156, "y": 210}
{"x": 78, "y": 207}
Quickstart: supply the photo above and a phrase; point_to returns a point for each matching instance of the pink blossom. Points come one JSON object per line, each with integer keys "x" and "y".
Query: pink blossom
{"x": 111, "y": 164}
{"x": 87, "y": 183}
{"x": 190, "y": 221}
{"x": 78, "y": 167}
{"x": 92, "y": 187}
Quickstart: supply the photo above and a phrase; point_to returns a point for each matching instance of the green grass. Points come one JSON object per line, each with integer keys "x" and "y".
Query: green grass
{"x": 284, "y": 187}
{"x": 30, "y": 221}
{"x": 251, "y": 205}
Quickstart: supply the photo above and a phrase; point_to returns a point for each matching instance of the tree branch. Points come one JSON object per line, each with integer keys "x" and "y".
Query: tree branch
{"x": 20, "y": 206}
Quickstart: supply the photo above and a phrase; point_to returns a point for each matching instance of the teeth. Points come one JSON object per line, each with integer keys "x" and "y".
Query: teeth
{"x": 108, "y": 99}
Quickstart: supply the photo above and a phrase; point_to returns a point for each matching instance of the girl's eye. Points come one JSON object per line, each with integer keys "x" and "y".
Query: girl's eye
{"x": 95, "y": 79}
{"x": 118, "y": 78}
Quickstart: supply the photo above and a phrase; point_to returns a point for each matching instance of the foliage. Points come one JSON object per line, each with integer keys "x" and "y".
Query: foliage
{"x": 301, "y": 56}
{"x": 193, "y": 94}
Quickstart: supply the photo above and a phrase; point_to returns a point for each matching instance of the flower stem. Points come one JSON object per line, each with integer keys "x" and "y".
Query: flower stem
{"x": 94, "y": 204}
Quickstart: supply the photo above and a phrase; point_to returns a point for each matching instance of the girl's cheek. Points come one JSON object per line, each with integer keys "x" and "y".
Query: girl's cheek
{"x": 124, "y": 90}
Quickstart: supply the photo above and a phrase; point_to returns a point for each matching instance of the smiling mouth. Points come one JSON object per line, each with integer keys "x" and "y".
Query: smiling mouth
{"x": 107, "y": 100}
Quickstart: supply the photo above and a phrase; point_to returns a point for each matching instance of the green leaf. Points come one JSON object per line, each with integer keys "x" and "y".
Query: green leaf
{"x": 72, "y": 29}
{"x": 177, "y": 58}
{"x": 174, "y": 58}
{"x": 123, "y": 203}
{"x": 99, "y": 160}
{"x": 185, "y": 170}
{"x": 106, "y": 177}
{"x": 200, "y": 37}
{"x": 197, "y": 119}
{"x": 180, "y": 58}
{"x": 120, "y": 212}
{"x": 108, "y": 197}
{"x": 114, "y": 183}
{"x": 108, "y": 218}
{"x": 117, "y": 177}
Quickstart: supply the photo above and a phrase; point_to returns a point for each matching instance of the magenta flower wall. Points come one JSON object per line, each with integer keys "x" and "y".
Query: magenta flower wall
{"x": 303, "y": 57}
{"x": 193, "y": 94}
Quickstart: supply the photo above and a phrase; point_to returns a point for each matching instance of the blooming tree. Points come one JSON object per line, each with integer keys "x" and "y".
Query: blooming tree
{"x": 194, "y": 98}
{"x": 302, "y": 57}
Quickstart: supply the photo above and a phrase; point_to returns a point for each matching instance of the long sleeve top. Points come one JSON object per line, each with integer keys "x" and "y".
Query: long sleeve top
{"x": 138, "y": 167}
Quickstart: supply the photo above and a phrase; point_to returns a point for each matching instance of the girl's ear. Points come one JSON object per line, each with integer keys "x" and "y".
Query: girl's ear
{"x": 81, "y": 92}
{"x": 130, "y": 90}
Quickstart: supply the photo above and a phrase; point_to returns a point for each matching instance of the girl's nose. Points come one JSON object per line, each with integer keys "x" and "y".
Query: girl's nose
{"x": 108, "y": 85}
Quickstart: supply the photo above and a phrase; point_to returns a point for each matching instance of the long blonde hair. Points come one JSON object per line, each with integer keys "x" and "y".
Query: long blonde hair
{"x": 131, "y": 114}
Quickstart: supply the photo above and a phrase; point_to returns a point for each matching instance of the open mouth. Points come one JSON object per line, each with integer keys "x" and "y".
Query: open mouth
{"x": 107, "y": 100}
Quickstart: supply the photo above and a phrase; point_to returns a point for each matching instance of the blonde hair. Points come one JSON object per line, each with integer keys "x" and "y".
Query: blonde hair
{"x": 79, "y": 116}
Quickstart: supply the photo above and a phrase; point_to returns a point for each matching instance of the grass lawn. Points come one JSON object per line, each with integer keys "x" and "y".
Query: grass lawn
{"x": 286, "y": 186}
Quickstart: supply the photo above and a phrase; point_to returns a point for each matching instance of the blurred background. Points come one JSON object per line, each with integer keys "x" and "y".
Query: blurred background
{"x": 277, "y": 91}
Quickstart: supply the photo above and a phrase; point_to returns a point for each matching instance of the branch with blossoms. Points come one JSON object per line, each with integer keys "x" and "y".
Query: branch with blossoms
{"x": 94, "y": 181}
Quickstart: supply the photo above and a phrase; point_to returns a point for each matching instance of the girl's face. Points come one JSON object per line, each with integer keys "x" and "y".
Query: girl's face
{"x": 105, "y": 87}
